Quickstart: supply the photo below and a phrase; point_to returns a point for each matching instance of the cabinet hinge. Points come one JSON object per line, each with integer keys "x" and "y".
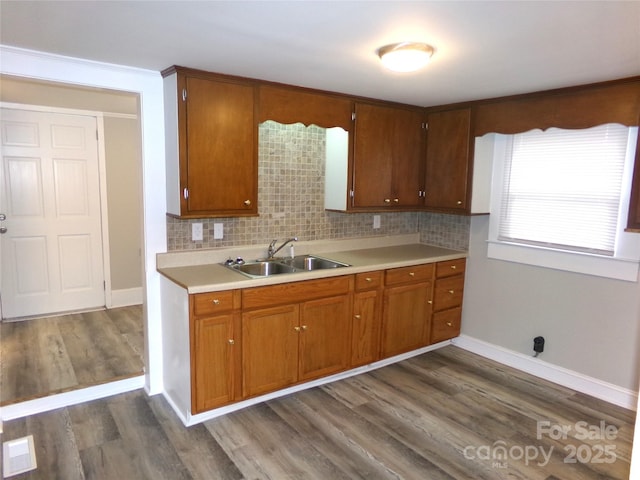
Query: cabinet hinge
{"x": 425, "y": 125}
{"x": 351, "y": 194}
{"x": 185, "y": 193}
{"x": 353, "y": 116}
{"x": 184, "y": 94}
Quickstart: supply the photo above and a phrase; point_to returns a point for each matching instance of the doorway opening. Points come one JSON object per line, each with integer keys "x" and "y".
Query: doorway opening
{"x": 117, "y": 316}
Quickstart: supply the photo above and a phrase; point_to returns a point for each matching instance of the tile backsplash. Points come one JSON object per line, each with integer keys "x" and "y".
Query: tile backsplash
{"x": 291, "y": 203}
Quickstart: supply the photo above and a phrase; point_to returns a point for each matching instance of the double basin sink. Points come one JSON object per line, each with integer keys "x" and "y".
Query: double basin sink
{"x": 278, "y": 266}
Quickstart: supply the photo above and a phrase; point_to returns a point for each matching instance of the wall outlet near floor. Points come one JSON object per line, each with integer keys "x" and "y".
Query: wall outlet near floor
{"x": 376, "y": 221}
{"x": 218, "y": 231}
{"x": 196, "y": 232}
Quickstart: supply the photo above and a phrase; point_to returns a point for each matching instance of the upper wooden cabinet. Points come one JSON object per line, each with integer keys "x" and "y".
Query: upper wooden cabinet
{"x": 448, "y": 161}
{"x": 211, "y": 135}
{"x": 387, "y": 154}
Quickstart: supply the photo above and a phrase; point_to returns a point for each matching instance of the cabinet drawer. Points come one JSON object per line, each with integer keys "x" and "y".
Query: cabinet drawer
{"x": 294, "y": 292}
{"x": 448, "y": 292}
{"x": 452, "y": 267}
{"x": 215, "y": 302}
{"x": 446, "y": 324}
{"x": 416, "y": 273}
{"x": 369, "y": 280}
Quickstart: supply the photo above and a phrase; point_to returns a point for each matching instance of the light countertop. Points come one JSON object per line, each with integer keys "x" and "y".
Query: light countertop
{"x": 212, "y": 277}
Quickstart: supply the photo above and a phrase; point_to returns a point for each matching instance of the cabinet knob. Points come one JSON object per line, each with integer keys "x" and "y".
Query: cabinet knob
{"x": 387, "y": 200}
{"x": 297, "y": 329}
{"x": 216, "y": 301}
{"x": 412, "y": 274}
{"x": 368, "y": 279}
{"x": 247, "y": 203}
{"x": 396, "y": 200}
{"x": 451, "y": 292}
{"x": 304, "y": 327}
{"x": 453, "y": 267}
{"x": 232, "y": 341}
{"x": 459, "y": 202}
{"x": 449, "y": 324}
{"x": 358, "y": 316}
{"x": 430, "y": 302}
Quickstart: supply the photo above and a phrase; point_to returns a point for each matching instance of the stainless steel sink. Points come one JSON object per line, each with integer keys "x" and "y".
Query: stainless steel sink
{"x": 310, "y": 262}
{"x": 278, "y": 266}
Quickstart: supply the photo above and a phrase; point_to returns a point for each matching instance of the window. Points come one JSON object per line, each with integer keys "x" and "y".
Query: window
{"x": 559, "y": 199}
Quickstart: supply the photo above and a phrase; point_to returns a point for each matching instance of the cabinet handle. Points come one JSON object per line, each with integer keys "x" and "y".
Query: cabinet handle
{"x": 387, "y": 200}
{"x": 216, "y": 301}
{"x": 357, "y": 316}
{"x": 412, "y": 274}
{"x": 247, "y": 202}
{"x": 449, "y": 324}
{"x": 451, "y": 292}
{"x": 232, "y": 341}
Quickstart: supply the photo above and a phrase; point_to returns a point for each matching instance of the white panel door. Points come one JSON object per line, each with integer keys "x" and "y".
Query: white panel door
{"x": 51, "y": 253}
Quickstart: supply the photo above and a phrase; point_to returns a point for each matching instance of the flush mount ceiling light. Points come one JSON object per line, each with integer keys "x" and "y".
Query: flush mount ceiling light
{"x": 405, "y": 56}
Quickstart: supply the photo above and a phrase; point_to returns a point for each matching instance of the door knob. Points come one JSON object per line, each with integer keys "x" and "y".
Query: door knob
{"x": 3, "y": 217}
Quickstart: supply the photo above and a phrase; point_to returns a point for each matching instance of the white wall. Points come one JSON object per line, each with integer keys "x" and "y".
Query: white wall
{"x": 591, "y": 324}
{"x": 148, "y": 85}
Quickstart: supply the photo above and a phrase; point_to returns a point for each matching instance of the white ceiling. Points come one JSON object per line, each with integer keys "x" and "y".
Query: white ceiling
{"x": 483, "y": 49}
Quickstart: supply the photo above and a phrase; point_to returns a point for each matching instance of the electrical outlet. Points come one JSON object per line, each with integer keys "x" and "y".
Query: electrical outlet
{"x": 196, "y": 232}
{"x": 218, "y": 231}
{"x": 376, "y": 221}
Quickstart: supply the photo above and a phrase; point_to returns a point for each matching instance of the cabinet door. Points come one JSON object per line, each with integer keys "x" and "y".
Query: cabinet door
{"x": 373, "y": 150}
{"x": 269, "y": 349}
{"x": 365, "y": 336}
{"x": 406, "y": 318}
{"x": 446, "y": 324}
{"x": 221, "y": 160}
{"x": 325, "y": 341}
{"x": 447, "y": 160}
{"x": 212, "y": 375}
{"x": 407, "y": 158}
{"x": 387, "y": 157}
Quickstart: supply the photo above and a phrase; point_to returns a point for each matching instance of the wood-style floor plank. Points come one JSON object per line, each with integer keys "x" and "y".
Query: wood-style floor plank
{"x": 443, "y": 415}
{"x": 43, "y": 356}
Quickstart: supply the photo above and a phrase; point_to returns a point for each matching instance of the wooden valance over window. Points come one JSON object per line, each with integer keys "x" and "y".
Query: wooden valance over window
{"x": 579, "y": 107}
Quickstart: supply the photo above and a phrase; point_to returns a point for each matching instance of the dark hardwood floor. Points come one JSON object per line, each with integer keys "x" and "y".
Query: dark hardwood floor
{"x": 446, "y": 414}
{"x": 50, "y": 355}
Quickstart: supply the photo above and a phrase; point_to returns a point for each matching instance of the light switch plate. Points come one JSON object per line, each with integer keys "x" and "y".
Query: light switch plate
{"x": 196, "y": 232}
{"x": 218, "y": 231}
{"x": 376, "y": 221}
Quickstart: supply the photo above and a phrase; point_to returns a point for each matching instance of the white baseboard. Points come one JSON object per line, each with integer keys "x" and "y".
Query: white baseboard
{"x": 567, "y": 378}
{"x": 74, "y": 397}
{"x": 126, "y": 297}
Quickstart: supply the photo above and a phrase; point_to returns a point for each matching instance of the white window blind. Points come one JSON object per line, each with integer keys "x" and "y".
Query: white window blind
{"x": 562, "y": 188}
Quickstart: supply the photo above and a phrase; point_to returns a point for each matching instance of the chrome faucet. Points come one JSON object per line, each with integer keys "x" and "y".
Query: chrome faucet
{"x": 272, "y": 250}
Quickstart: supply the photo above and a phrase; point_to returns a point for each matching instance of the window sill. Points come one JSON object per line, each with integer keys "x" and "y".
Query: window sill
{"x": 601, "y": 266}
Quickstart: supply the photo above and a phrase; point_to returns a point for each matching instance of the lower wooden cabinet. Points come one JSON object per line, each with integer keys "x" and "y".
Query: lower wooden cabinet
{"x": 447, "y": 300}
{"x": 245, "y": 343}
{"x": 367, "y": 316}
{"x": 215, "y": 361}
{"x": 286, "y": 344}
{"x": 406, "y": 313}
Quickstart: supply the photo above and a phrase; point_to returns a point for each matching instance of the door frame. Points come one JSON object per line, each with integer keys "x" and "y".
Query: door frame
{"x": 102, "y": 182}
